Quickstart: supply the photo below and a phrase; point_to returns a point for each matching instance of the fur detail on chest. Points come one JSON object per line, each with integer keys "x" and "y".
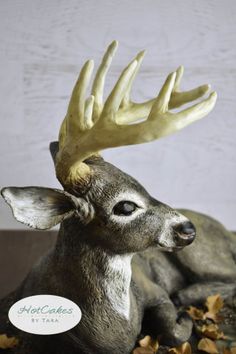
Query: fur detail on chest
{"x": 117, "y": 284}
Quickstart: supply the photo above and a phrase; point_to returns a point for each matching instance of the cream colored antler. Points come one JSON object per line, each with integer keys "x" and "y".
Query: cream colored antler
{"x": 91, "y": 125}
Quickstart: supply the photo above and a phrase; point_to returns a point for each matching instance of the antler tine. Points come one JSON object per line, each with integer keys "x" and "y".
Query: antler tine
{"x": 75, "y": 115}
{"x": 179, "y": 75}
{"x": 126, "y": 100}
{"x": 163, "y": 98}
{"x": 74, "y": 119}
{"x": 99, "y": 80}
{"x": 88, "y": 112}
{"x": 194, "y": 113}
{"x": 180, "y": 98}
{"x": 113, "y": 101}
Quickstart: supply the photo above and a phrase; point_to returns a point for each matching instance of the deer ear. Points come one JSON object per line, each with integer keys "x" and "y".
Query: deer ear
{"x": 43, "y": 208}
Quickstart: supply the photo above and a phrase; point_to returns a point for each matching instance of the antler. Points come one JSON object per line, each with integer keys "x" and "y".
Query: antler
{"x": 91, "y": 125}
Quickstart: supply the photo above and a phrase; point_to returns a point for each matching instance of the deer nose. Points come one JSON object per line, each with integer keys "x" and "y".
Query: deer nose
{"x": 184, "y": 233}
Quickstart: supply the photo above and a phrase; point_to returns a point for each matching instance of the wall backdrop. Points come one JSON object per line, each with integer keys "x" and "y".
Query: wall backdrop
{"x": 42, "y": 47}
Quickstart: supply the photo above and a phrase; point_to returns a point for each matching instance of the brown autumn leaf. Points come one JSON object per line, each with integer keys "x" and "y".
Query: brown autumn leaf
{"x": 195, "y": 313}
{"x": 8, "y": 342}
{"x": 148, "y": 345}
{"x": 212, "y": 331}
{"x": 147, "y": 341}
{"x": 226, "y": 351}
{"x": 208, "y": 346}
{"x": 184, "y": 348}
{"x": 214, "y": 304}
{"x": 229, "y": 350}
{"x": 141, "y": 350}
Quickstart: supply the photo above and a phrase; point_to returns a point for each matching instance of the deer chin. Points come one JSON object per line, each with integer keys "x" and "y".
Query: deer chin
{"x": 170, "y": 249}
{"x": 166, "y": 248}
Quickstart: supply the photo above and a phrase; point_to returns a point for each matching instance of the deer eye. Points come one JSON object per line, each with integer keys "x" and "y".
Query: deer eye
{"x": 125, "y": 208}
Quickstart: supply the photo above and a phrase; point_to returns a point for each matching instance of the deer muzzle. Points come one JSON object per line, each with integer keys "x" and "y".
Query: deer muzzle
{"x": 184, "y": 233}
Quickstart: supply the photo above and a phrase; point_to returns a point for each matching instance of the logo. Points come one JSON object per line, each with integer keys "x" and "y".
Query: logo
{"x": 44, "y": 314}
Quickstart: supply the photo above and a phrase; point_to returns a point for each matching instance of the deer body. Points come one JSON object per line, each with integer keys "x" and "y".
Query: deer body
{"x": 108, "y": 258}
{"x": 117, "y": 282}
{"x": 113, "y": 303}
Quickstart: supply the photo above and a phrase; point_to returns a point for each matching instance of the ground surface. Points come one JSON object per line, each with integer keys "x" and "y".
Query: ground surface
{"x": 226, "y": 323}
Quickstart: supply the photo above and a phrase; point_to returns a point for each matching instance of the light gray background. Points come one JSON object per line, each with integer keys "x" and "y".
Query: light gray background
{"x": 42, "y": 47}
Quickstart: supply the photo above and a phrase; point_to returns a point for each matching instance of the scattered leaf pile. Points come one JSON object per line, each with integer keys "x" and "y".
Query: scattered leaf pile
{"x": 214, "y": 304}
{"x": 8, "y": 342}
{"x": 206, "y": 323}
{"x": 206, "y": 327}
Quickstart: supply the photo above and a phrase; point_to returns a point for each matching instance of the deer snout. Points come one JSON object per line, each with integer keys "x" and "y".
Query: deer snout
{"x": 184, "y": 233}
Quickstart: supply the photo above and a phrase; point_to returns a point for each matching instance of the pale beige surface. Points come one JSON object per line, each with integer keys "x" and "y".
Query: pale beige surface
{"x": 42, "y": 48}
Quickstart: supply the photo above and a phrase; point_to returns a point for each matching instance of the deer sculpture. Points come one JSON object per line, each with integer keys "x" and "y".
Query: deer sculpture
{"x": 109, "y": 255}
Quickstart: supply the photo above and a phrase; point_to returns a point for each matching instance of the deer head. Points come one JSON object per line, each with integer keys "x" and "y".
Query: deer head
{"x": 114, "y": 209}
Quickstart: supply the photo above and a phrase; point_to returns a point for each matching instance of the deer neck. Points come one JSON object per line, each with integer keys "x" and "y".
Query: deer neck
{"x": 117, "y": 283}
{"x": 100, "y": 276}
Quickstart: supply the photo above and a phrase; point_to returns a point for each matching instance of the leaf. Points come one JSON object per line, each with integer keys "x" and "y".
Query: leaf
{"x": 208, "y": 346}
{"x": 214, "y": 304}
{"x": 8, "y": 342}
{"x": 195, "y": 313}
{"x": 229, "y": 350}
{"x": 147, "y": 346}
{"x": 212, "y": 331}
{"x": 147, "y": 341}
{"x": 184, "y": 348}
{"x": 226, "y": 351}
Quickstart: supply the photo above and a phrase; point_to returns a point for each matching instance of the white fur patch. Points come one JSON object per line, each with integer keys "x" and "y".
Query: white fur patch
{"x": 117, "y": 284}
